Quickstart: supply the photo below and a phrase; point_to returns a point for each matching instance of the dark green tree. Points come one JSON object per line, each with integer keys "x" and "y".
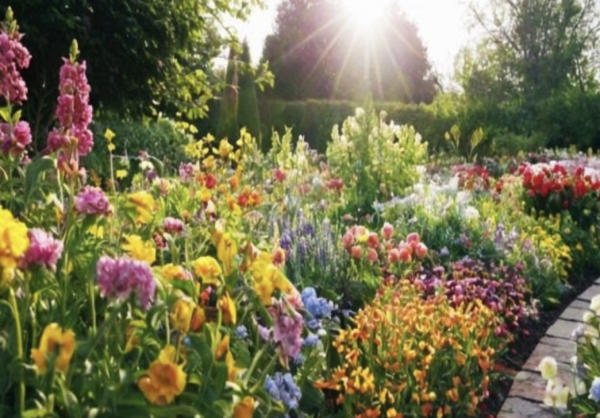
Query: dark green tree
{"x": 321, "y": 50}
{"x": 248, "y": 104}
{"x": 228, "y": 126}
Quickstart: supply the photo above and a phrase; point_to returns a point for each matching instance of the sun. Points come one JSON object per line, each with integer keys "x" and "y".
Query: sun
{"x": 365, "y": 14}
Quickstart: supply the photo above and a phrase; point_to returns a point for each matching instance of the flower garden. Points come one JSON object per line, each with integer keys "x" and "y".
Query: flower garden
{"x": 372, "y": 281}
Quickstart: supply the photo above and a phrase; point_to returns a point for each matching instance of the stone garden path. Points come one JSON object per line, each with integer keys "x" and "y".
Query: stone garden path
{"x": 527, "y": 393}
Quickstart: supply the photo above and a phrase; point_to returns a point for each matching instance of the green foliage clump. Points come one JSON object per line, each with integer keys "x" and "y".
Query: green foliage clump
{"x": 374, "y": 159}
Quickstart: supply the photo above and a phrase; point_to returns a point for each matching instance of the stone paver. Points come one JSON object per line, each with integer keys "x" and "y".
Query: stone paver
{"x": 527, "y": 392}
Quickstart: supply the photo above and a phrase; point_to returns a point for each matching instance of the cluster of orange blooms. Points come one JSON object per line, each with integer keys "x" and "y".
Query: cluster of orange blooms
{"x": 407, "y": 356}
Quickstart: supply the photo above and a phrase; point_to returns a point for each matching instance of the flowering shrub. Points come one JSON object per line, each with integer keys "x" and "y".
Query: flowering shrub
{"x": 407, "y": 357}
{"x": 375, "y": 160}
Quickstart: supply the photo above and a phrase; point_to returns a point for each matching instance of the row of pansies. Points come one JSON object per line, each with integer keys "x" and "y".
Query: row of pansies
{"x": 247, "y": 284}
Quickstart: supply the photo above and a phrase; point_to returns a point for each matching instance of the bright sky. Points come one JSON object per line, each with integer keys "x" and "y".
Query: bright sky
{"x": 442, "y": 25}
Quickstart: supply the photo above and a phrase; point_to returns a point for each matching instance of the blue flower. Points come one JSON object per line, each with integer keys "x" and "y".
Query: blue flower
{"x": 311, "y": 341}
{"x": 318, "y": 308}
{"x": 281, "y": 387}
{"x": 241, "y": 332}
{"x": 595, "y": 390}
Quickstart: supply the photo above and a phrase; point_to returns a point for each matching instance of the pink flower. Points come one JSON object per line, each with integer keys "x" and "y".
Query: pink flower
{"x": 413, "y": 239}
{"x": 186, "y": 171}
{"x": 92, "y": 201}
{"x": 387, "y": 231}
{"x": 356, "y": 251}
{"x": 421, "y": 250}
{"x": 119, "y": 277}
{"x": 43, "y": 250}
{"x": 72, "y": 139}
{"x": 348, "y": 239}
{"x": 394, "y": 255}
{"x": 336, "y": 184}
{"x": 372, "y": 255}
{"x": 373, "y": 240}
{"x": 405, "y": 254}
{"x": 279, "y": 175}
{"x": 13, "y": 57}
{"x": 287, "y": 329}
{"x": 14, "y": 141}
{"x": 173, "y": 225}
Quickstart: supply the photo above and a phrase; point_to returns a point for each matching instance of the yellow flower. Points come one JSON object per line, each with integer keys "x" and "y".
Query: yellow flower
{"x": 171, "y": 271}
{"x": 205, "y": 195}
{"x": 208, "y": 269}
{"x": 548, "y": 368}
{"x": 96, "y": 231}
{"x": 268, "y": 278}
{"x": 181, "y": 317}
{"x": 13, "y": 243}
{"x": 244, "y": 408}
{"x": 227, "y": 305}
{"x": 121, "y": 174}
{"x": 224, "y": 148}
{"x": 111, "y": 147}
{"x": 109, "y": 135}
{"x": 144, "y": 205}
{"x": 226, "y": 250}
{"x": 165, "y": 379}
{"x": 57, "y": 342}
{"x": 139, "y": 249}
{"x": 209, "y": 163}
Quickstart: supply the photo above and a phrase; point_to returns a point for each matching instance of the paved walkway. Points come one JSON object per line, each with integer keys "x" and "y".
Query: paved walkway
{"x": 527, "y": 393}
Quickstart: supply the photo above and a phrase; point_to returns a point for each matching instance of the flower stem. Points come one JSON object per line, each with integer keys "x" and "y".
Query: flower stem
{"x": 19, "y": 340}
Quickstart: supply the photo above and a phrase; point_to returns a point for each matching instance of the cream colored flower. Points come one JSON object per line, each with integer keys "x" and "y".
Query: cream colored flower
{"x": 595, "y": 304}
{"x": 548, "y": 367}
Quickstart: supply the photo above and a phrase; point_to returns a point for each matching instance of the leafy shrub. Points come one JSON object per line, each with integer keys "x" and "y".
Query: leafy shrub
{"x": 161, "y": 139}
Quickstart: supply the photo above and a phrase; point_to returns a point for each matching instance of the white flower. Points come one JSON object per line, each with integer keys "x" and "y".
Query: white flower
{"x": 548, "y": 367}
{"x": 574, "y": 361}
{"x": 595, "y": 304}
{"x": 556, "y": 394}
{"x": 146, "y": 165}
{"x": 359, "y": 112}
{"x": 471, "y": 213}
{"x": 588, "y": 316}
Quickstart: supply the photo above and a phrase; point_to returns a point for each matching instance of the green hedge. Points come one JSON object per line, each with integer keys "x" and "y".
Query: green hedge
{"x": 314, "y": 119}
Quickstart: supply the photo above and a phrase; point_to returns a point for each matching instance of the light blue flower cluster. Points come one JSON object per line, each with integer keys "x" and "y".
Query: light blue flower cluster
{"x": 318, "y": 308}
{"x": 282, "y": 387}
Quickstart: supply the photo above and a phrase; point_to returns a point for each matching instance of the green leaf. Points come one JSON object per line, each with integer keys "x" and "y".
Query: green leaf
{"x": 33, "y": 175}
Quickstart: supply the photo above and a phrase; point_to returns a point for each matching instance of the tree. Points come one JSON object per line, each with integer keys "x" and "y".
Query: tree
{"x": 320, "y": 50}
{"x": 228, "y": 112}
{"x": 248, "y": 104}
{"x": 533, "y": 51}
{"x": 141, "y": 54}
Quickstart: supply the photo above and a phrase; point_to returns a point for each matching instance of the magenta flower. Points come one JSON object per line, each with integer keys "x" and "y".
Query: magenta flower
{"x": 173, "y": 225}
{"x": 119, "y": 277}
{"x": 14, "y": 140}
{"x": 92, "y": 201}
{"x": 43, "y": 250}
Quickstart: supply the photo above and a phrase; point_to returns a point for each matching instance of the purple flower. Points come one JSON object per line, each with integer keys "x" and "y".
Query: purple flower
{"x": 173, "y": 225}
{"x": 43, "y": 250}
{"x": 119, "y": 277}
{"x": 92, "y": 201}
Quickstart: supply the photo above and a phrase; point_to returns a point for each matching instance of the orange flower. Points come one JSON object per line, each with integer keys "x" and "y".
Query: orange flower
{"x": 198, "y": 319}
{"x": 165, "y": 379}
{"x": 223, "y": 347}
{"x": 244, "y": 408}
{"x": 57, "y": 342}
